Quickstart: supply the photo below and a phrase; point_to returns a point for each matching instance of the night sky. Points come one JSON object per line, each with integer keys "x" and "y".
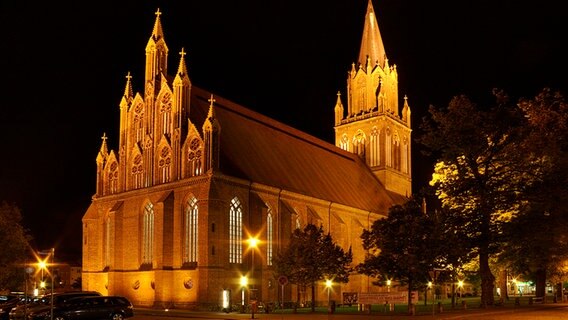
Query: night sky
{"x": 64, "y": 65}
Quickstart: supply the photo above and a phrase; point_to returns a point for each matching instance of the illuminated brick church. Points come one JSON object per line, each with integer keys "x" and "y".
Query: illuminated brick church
{"x": 195, "y": 175}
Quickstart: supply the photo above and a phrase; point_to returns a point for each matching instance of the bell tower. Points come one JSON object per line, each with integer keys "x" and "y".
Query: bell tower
{"x": 373, "y": 126}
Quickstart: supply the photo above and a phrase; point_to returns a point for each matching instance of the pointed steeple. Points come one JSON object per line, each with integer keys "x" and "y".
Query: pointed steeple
{"x": 338, "y": 109}
{"x": 211, "y": 138}
{"x": 158, "y": 32}
{"x": 182, "y": 68}
{"x": 406, "y": 112}
{"x": 103, "y": 152}
{"x": 372, "y": 44}
{"x": 128, "y": 92}
{"x": 211, "y": 118}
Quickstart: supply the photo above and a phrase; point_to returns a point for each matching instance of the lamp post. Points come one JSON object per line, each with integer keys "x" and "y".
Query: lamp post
{"x": 388, "y": 285}
{"x": 44, "y": 265}
{"x": 253, "y": 244}
{"x": 243, "y": 282}
{"x": 460, "y": 286}
{"x": 328, "y": 285}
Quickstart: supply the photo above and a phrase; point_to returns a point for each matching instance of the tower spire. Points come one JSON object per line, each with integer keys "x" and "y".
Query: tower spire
{"x": 128, "y": 92}
{"x": 158, "y": 33}
{"x": 182, "y": 69}
{"x": 372, "y": 47}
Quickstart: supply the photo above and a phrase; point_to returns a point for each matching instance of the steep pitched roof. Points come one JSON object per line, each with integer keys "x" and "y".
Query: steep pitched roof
{"x": 259, "y": 149}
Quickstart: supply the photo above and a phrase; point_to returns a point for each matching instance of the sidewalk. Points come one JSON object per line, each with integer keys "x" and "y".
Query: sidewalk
{"x": 457, "y": 313}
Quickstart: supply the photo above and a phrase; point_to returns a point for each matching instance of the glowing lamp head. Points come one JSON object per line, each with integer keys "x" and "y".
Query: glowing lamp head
{"x": 243, "y": 281}
{"x": 328, "y": 283}
{"x": 253, "y": 242}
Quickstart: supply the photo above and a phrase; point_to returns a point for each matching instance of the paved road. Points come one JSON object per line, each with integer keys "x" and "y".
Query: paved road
{"x": 540, "y": 312}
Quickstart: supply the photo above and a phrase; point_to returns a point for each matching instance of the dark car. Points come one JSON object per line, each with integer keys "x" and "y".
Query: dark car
{"x": 7, "y": 302}
{"x": 89, "y": 308}
{"x": 21, "y": 311}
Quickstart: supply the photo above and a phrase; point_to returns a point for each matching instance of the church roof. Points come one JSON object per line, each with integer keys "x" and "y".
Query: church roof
{"x": 262, "y": 150}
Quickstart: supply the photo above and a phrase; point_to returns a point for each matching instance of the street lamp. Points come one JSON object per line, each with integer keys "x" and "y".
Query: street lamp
{"x": 243, "y": 282}
{"x": 460, "y": 286}
{"x": 253, "y": 244}
{"x": 328, "y": 285}
{"x": 44, "y": 265}
{"x": 388, "y": 285}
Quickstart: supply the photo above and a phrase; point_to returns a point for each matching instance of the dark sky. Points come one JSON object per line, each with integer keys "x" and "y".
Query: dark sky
{"x": 64, "y": 65}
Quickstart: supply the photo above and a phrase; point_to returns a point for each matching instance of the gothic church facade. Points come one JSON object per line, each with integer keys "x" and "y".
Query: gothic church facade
{"x": 195, "y": 175}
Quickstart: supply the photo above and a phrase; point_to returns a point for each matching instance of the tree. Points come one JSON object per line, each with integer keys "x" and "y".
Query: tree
{"x": 403, "y": 246}
{"x": 537, "y": 244}
{"x": 312, "y": 256}
{"x": 480, "y": 170}
{"x": 15, "y": 243}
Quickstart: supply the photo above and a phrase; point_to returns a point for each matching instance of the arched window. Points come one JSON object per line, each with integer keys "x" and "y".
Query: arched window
{"x": 190, "y": 231}
{"x": 359, "y": 141}
{"x": 148, "y": 234}
{"x": 396, "y": 151}
{"x": 344, "y": 143}
{"x": 166, "y": 113}
{"x": 235, "y": 232}
{"x": 374, "y": 157}
{"x": 194, "y": 157}
{"x": 269, "y": 237}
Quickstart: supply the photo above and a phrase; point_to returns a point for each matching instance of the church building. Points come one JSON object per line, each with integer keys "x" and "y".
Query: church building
{"x": 195, "y": 175}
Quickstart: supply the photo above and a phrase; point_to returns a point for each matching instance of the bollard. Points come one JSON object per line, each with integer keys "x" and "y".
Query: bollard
{"x": 464, "y": 304}
{"x": 517, "y": 301}
{"x": 530, "y": 300}
{"x": 440, "y": 307}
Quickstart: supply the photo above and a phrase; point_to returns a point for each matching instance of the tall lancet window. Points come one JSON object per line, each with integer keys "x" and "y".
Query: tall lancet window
{"x": 138, "y": 122}
{"x": 190, "y": 231}
{"x": 148, "y": 234}
{"x": 375, "y": 155}
{"x": 195, "y": 158}
{"x": 166, "y": 113}
{"x": 113, "y": 177}
{"x": 165, "y": 164}
{"x": 388, "y": 148}
{"x": 405, "y": 148}
{"x": 137, "y": 172}
{"x": 362, "y": 105}
{"x": 235, "y": 231}
{"x": 269, "y": 237}
{"x": 396, "y": 152}
{"x": 344, "y": 142}
{"x": 107, "y": 240}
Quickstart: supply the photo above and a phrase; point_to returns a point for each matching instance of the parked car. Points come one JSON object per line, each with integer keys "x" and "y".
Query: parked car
{"x": 88, "y": 308}
{"x": 7, "y": 302}
{"x": 21, "y": 311}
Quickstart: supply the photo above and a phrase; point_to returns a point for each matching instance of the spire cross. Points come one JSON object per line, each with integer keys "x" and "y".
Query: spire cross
{"x": 128, "y": 76}
{"x": 104, "y": 137}
{"x": 211, "y": 100}
{"x": 158, "y": 13}
{"x": 182, "y": 53}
